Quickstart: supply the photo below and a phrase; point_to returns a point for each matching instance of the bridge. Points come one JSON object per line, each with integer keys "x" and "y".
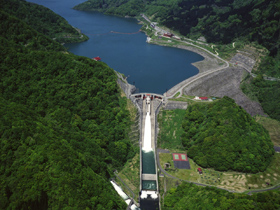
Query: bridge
{"x": 151, "y": 95}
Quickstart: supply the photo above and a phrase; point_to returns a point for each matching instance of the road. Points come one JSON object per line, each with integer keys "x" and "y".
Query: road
{"x": 179, "y": 87}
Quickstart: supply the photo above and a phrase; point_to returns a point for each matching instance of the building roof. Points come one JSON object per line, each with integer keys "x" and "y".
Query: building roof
{"x": 203, "y": 98}
{"x": 179, "y": 157}
{"x": 181, "y": 161}
{"x": 97, "y": 58}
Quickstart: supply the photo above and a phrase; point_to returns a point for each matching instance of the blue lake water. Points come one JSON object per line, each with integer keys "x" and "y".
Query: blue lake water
{"x": 151, "y": 68}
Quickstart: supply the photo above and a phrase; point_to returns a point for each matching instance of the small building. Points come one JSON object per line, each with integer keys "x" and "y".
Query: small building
{"x": 203, "y": 98}
{"x": 199, "y": 170}
{"x": 97, "y": 58}
{"x": 168, "y": 35}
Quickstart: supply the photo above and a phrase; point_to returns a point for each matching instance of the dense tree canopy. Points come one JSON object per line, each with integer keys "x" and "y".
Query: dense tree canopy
{"x": 63, "y": 125}
{"x": 188, "y": 196}
{"x": 223, "y": 136}
{"x": 43, "y": 20}
{"x": 266, "y": 92}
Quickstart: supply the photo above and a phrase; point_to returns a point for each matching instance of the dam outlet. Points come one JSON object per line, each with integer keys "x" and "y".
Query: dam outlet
{"x": 149, "y": 196}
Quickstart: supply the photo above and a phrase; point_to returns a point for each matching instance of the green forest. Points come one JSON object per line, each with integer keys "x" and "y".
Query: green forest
{"x": 63, "y": 124}
{"x": 223, "y": 136}
{"x": 265, "y": 92}
{"x": 189, "y": 196}
{"x": 43, "y": 20}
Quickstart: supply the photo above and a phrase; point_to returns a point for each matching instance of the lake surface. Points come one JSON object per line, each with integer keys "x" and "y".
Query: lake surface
{"x": 151, "y": 68}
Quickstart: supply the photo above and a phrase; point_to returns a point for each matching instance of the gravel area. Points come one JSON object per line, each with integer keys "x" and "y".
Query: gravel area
{"x": 209, "y": 62}
{"x": 244, "y": 61}
{"x": 176, "y": 105}
{"x": 225, "y": 83}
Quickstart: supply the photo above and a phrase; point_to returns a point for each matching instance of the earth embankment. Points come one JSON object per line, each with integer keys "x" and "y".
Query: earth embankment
{"x": 225, "y": 83}
{"x": 208, "y": 63}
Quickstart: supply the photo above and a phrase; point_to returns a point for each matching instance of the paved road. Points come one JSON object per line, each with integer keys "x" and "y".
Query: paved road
{"x": 263, "y": 190}
{"x": 179, "y": 87}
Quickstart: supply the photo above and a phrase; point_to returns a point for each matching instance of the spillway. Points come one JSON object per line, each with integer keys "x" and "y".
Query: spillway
{"x": 149, "y": 193}
{"x": 147, "y": 143}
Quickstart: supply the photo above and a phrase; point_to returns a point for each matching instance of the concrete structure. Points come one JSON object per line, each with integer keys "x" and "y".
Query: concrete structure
{"x": 148, "y": 105}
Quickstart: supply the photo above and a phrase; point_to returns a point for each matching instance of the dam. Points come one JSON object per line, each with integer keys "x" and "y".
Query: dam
{"x": 148, "y": 104}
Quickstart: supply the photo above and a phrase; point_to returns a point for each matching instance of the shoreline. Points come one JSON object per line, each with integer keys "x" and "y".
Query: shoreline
{"x": 210, "y": 61}
{"x": 207, "y": 64}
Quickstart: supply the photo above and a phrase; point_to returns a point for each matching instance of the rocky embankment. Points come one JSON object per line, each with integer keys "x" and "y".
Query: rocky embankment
{"x": 225, "y": 83}
{"x": 208, "y": 63}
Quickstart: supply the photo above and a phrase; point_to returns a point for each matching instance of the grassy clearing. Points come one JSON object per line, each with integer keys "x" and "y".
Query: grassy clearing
{"x": 190, "y": 99}
{"x": 170, "y": 122}
{"x": 176, "y": 95}
{"x": 130, "y": 175}
{"x": 272, "y": 126}
{"x": 236, "y": 181}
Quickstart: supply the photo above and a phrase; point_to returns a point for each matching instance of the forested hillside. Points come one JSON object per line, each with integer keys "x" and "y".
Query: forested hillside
{"x": 43, "y": 20}
{"x": 189, "y": 196}
{"x": 63, "y": 124}
{"x": 221, "y": 135}
{"x": 266, "y": 92}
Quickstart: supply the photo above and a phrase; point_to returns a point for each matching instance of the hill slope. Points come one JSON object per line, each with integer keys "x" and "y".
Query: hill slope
{"x": 221, "y": 135}
{"x": 189, "y": 196}
{"x": 43, "y": 20}
{"x": 63, "y": 125}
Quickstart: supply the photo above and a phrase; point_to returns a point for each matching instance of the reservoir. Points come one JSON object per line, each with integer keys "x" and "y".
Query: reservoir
{"x": 150, "y": 67}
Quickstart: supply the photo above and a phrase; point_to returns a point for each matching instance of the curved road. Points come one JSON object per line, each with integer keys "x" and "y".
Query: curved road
{"x": 179, "y": 87}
